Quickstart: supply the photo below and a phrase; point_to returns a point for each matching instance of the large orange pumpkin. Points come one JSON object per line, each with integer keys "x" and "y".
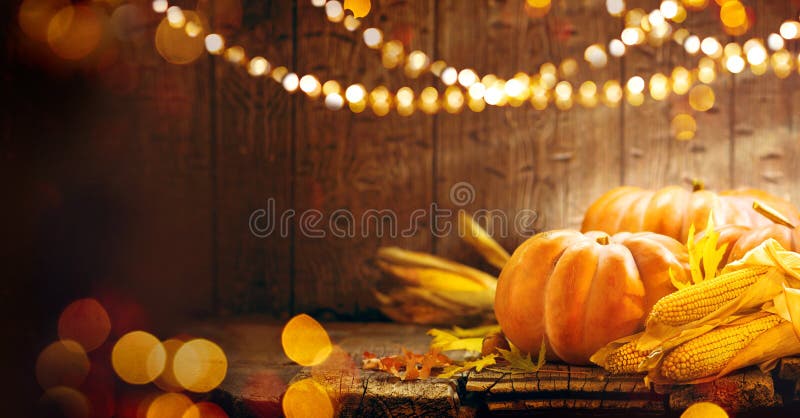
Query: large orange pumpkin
{"x": 741, "y": 239}
{"x": 581, "y": 291}
{"x": 673, "y": 209}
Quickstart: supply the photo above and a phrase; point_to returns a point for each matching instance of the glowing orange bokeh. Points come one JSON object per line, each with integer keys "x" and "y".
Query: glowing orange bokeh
{"x": 199, "y": 365}
{"x": 307, "y": 399}
{"x": 35, "y": 15}
{"x": 305, "y": 341}
{"x": 167, "y": 381}
{"x": 204, "y": 410}
{"x": 86, "y": 322}
{"x": 138, "y": 357}
{"x": 169, "y": 405}
{"x": 62, "y": 363}
{"x": 74, "y": 32}
{"x": 65, "y": 402}
{"x": 175, "y": 45}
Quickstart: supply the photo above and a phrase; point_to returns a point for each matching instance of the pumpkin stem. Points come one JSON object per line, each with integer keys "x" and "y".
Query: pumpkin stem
{"x": 603, "y": 240}
{"x": 772, "y": 214}
{"x": 697, "y": 185}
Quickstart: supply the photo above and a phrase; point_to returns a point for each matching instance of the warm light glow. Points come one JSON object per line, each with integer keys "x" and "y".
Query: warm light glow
{"x": 175, "y": 17}
{"x": 215, "y": 44}
{"x": 514, "y": 88}
{"x": 563, "y": 90}
{"x": 416, "y": 63}
{"x": 683, "y": 127}
{"x": 711, "y": 47}
{"x": 307, "y": 399}
{"x": 138, "y": 357}
{"x": 612, "y": 93}
{"x": 615, "y": 7}
{"x": 669, "y": 8}
{"x": 35, "y": 15}
{"x": 86, "y": 322}
{"x": 351, "y": 23}
{"x": 781, "y": 62}
{"x": 304, "y": 340}
{"x": 392, "y": 54}
{"x": 258, "y": 66}
{"x": 193, "y": 29}
{"x": 704, "y": 410}
{"x": 309, "y": 84}
{"x": 175, "y": 45}
{"x": 680, "y": 36}
{"x": 695, "y": 4}
{"x": 632, "y": 36}
{"x": 656, "y": 18}
{"x": 429, "y": 103}
{"x": 331, "y": 86}
{"x": 681, "y": 80}
{"x": 449, "y": 76}
{"x": 74, "y": 32}
{"x": 790, "y": 29}
{"x": 334, "y": 11}
{"x": 756, "y": 55}
{"x": 169, "y": 405}
{"x": 166, "y": 381}
{"x": 453, "y": 99}
{"x": 616, "y": 48}
{"x": 200, "y": 365}
{"x": 494, "y": 94}
{"x": 568, "y": 67}
{"x": 635, "y": 85}
{"x": 235, "y": 55}
{"x": 354, "y": 94}
{"x": 596, "y": 56}
{"x": 588, "y": 94}
{"x": 735, "y": 64}
{"x": 318, "y": 3}
{"x": 62, "y": 401}
{"x": 334, "y": 101}
{"x": 160, "y": 6}
{"x": 775, "y": 42}
{"x": 290, "y": 82}
{"x": 62, "y": 363}
{"x": 733, "y": 14}
{"x": 204, "y": 410}
{"x": 467, "y": 77}
{"x": 692, "y": 44}
{"x": 405, "y": 96}
{"x": 701, "y": 98}
{"x": 373, "y": 38}
{"x": 476, "y": 91}
{"x": 659, "y": 86}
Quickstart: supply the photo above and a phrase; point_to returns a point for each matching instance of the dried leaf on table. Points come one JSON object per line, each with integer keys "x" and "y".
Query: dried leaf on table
{"x": 407, "y": 365}
{"x": 522, "y": 363}
{"x": 477, "y": 365}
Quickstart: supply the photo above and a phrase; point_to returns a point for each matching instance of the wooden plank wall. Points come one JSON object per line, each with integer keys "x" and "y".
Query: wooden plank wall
{"x": 196, "y": 150}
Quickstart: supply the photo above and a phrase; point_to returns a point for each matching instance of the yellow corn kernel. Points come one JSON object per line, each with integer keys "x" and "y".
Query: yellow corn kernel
{"x": 694, "y": 302}
{"x": 625, "y": 359}
{"x": 710, "y": 352}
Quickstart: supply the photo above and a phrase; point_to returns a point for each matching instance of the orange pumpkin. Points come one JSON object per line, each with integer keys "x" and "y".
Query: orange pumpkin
{"x": 579, "y": 291}
{"x": 741, "y": 239}
{"x": 673, "y": 209}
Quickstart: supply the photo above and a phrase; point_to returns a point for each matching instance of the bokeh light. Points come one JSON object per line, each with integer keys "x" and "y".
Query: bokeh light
{"x": 701, "y": 98}
{"x": 334, "y": 10}
{"x": 35, "y": 15}
{"x": 290, "y": 82}
{"x": 200, "y": 365}
{"x": 373, "y": 37}
{"x": 307, "y": 399}
{"x": 169, "y": 405}
{"x": 62, "y": 363}
{"x": 205, "y": 410}
{"x": 215, "y": 44}
{"x": 128, "y": 21}
{"x": 175, "y": 45}
{"x": 74, "y": 32}
{"x": 683, "y": 127}
{"x": 167, "y": 381}
{"x": 138, "y": 357}
{"x": 704, "y": 410}
{"x": 258, "y": 66}
{"x": 304, "y": 340}
{"x": 86, "y": 322}
{"x": 62, "y": 401}
{"x": 615, "y": 7}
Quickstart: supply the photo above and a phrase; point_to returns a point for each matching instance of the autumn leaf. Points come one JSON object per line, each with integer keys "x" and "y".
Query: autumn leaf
{"x": 360, "y": 8}
{"x": 519, "y": 363}
{"x": 475, "y": 332}
{"x": 446, "y": 341}
{"x": 704, "y": 256}
{"x": 478, "y": 365}
{"x": 407, "y": 365}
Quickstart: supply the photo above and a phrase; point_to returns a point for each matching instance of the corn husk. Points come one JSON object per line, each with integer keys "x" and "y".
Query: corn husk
{"x": 481, "y": 241}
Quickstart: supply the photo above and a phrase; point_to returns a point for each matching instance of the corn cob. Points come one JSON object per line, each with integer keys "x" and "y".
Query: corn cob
{"x": 694, "y": 302}
{"x": 625, "y": 359}
{"x": 709, "y": 353}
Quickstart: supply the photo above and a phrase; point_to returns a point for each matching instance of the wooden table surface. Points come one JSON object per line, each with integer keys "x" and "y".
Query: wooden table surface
{"x": 259, "y": 373}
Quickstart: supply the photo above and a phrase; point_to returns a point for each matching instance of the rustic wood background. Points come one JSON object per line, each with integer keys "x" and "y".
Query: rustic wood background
{"x": 138, "y": 186}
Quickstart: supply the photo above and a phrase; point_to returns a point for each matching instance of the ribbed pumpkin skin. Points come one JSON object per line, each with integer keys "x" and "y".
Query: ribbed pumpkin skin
{"x": 672, "y": 210}
{"x": 789, "y": 238}
{"x": 579, "y": 294}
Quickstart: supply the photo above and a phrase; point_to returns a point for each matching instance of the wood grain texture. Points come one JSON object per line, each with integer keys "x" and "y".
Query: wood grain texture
{"x": 590, "y": 137}
{"x": 363, "y": 164}
{"x": 766, "y": 145}
{"x": 254, "y": 165}
{"x": 501, "y": 155}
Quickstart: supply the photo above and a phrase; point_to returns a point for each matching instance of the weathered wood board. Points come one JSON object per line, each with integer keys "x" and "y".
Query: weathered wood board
{"x": 259, "y": 373}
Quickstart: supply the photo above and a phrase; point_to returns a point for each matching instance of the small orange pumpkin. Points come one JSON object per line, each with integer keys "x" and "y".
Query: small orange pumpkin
{"x": 673, "y": 209}
{"x": 579, "y": 291}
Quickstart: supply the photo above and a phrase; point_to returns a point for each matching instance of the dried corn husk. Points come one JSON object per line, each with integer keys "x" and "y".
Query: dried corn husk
{"x": 479, "y": 239}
